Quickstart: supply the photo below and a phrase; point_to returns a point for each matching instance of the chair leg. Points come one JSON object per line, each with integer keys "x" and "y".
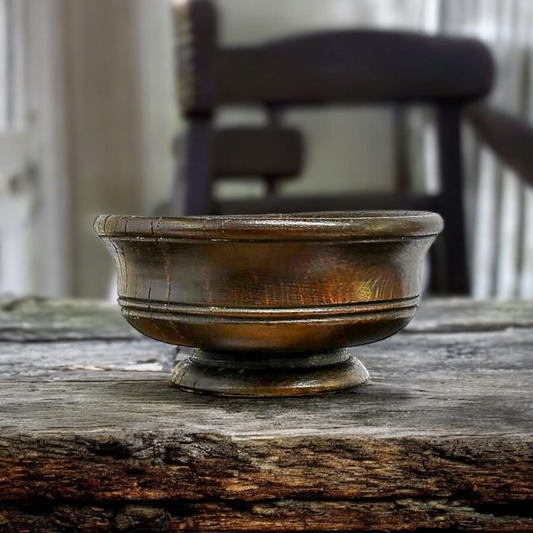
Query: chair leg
{"x": 198, "y": 168}
{"x": 400, "y": 136}
{"x": 451, "y": 273}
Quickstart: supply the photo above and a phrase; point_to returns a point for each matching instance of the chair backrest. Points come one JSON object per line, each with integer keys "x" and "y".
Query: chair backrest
{"x": 340, "y": 67}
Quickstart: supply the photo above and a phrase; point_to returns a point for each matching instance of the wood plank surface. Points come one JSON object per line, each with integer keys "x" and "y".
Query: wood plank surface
{"x": 93, "y": 437}
{"x": 34, "y": 319}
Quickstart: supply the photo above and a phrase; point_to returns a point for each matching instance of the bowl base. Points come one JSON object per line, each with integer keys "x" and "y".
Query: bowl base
{"x": 237, "y": 374}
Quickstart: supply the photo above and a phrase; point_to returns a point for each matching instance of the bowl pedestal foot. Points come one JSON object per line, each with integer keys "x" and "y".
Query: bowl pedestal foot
{"x": 242, "y": 374}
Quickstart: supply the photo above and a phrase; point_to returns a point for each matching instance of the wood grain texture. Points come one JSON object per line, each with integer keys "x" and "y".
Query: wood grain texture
{"x": 93, "y": 438}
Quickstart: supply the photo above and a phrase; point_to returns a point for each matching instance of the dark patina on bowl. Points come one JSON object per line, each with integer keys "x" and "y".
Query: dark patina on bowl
{"x": 270, "y": 301}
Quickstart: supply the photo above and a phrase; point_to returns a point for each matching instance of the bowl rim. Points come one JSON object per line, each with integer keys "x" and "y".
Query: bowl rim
{"x": 327, "y": 225}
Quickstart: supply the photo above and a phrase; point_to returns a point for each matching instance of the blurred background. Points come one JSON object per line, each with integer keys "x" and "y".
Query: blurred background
{"x": 90, "y": 123}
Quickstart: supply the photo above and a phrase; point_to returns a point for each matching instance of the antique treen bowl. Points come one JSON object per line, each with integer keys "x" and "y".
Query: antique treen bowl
{"x": 271, "y": 302}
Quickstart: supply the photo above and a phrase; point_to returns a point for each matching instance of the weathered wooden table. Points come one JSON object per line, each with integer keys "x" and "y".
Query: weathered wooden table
{"x": 94, "y": 439}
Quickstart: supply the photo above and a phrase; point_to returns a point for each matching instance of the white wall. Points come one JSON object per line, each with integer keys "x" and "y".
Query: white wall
{"x": 348, "y": 149}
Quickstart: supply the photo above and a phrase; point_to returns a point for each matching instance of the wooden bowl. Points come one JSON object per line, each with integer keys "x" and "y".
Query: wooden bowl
{"x": 271, "y": 301}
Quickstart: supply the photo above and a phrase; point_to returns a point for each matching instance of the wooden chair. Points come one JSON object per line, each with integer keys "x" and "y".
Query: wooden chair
{"x": 356, "y": 67}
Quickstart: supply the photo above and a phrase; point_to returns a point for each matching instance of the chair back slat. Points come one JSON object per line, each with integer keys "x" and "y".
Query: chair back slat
{"x": 348, "y": 67}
